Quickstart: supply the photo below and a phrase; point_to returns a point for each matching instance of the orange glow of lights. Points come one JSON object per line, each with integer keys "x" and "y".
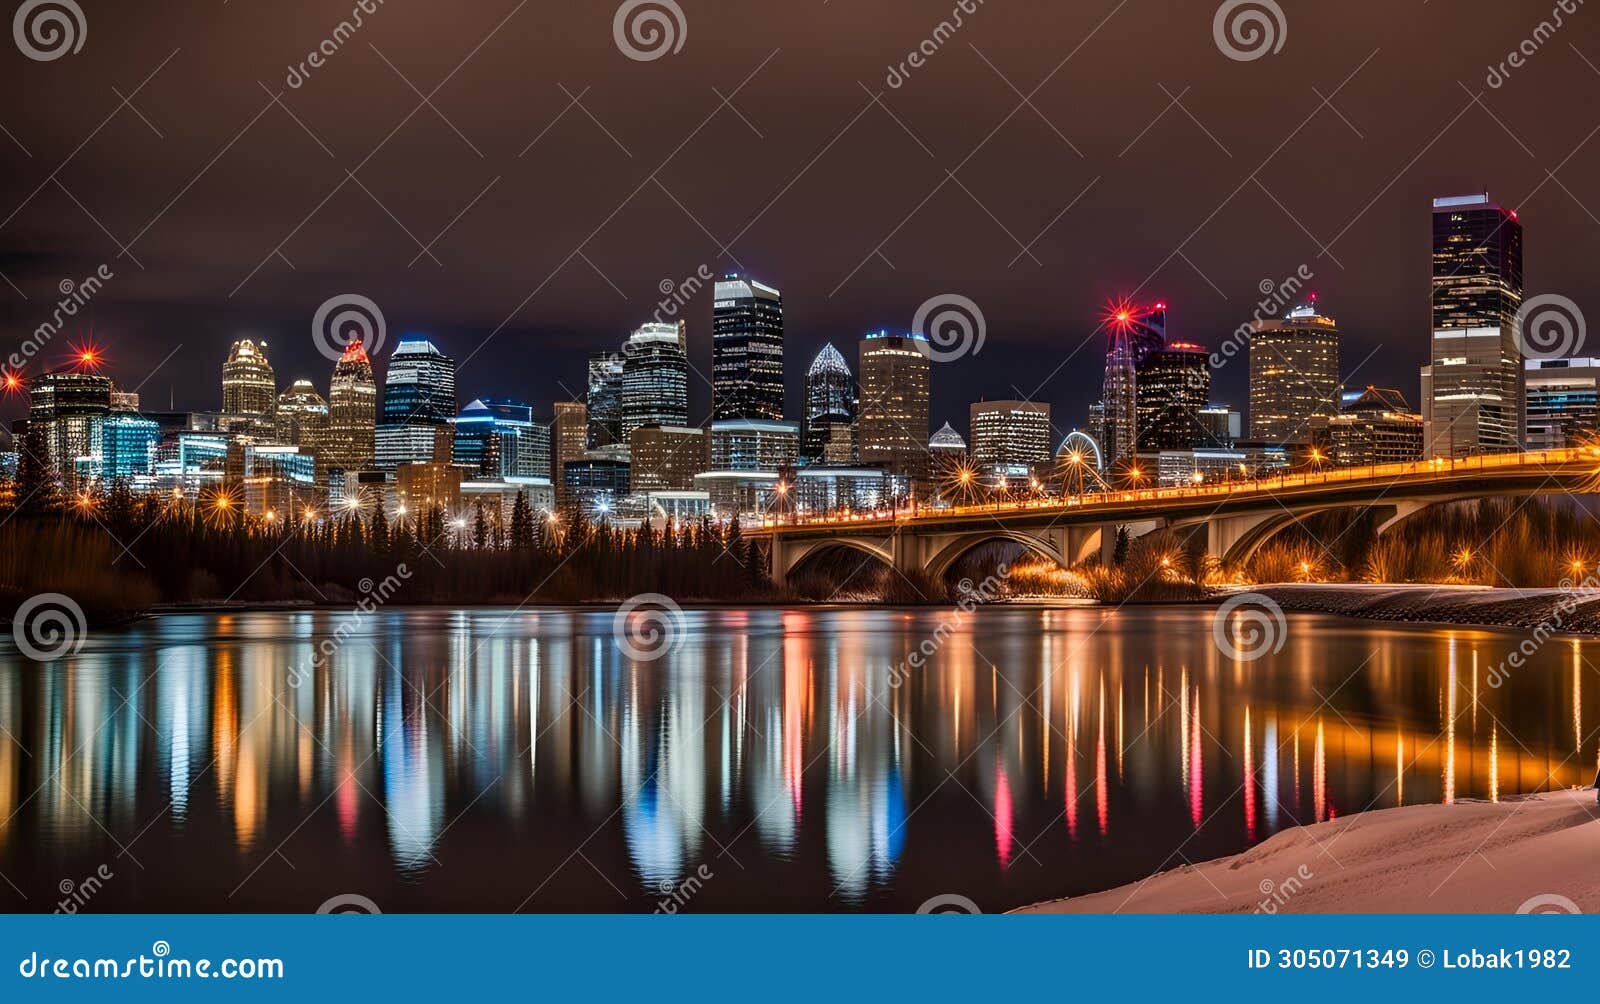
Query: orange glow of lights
{"x": 88, "y": 356}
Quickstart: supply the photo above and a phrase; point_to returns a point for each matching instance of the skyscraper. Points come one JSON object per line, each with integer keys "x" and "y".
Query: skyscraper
{"x": 1378, "y": 427}
{"x": 605, "y": 400}
{"x": 655, "y": 378}
{"x": 1009, "y": 437}
{"x": 128, "y": 448}
{"x": 892, "y": 427}
{"x": 301, "y": 419}
{"x": 1473, "y": 385}
{"x": 420, "y": 385}
{"x": 667, "y": 458}
{"x": 499, "y": 439}
{"x": 569, "y": 435}
{"x": 69, "y": 410}
{"x": 419, "y": 398}
{"x": 1294, "y": 374}
{"x": 1133, "y": 333}
{"x": 1172, "y": 385}
{"x": 1563, "y": 402}
{"x": 352, "y": 412}
{"x": 746, "y": 350}
{"x": 249, "y": 386}
{"x": 830, "y": 413}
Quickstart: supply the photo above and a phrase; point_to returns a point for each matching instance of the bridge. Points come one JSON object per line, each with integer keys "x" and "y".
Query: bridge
{"x": 1237, "y": 517}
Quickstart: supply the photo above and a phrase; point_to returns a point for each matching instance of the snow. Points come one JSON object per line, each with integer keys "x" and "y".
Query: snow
{"x": 1564, "y": 610}
{"x": 1469, "y": 857}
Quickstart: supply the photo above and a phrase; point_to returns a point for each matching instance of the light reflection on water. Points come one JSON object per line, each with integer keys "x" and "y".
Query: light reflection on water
{"x": 489, "y": 760}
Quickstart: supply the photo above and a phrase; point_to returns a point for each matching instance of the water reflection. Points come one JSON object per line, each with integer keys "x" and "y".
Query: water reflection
{"x": 487, "y": 760}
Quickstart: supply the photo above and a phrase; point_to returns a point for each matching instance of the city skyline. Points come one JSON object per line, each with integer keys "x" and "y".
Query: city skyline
{"x": 813, "y": 236}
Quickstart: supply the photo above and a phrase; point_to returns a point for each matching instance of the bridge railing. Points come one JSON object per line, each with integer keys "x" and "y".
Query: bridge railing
{"x": 1441, "y": 467}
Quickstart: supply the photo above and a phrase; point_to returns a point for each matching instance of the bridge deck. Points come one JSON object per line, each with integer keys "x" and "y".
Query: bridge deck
{"x": 1432, "y": 480}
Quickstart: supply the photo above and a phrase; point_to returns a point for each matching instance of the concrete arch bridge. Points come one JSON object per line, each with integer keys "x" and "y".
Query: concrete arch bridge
{"x": 1236, "y": 517}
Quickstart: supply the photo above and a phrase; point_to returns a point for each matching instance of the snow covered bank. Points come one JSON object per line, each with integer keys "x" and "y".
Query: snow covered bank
{"x": 1471, "y": 857}
{"x": 1565, "y": 610}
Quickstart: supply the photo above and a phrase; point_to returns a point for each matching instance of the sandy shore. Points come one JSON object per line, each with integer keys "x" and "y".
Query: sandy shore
{"x": 1563, "y": 610}
{"x": 1534, "y": 854}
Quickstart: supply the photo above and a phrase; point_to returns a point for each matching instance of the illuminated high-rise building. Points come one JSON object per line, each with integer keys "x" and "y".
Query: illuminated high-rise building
{"x": 1294, "y": 374}
{"x": 352, "y": 412}
{"x": 830, "y": 409}
{"x": 655, "y": 378}
{"x": 419, "y": 399}
{"x": 1009, "y": 437}
{"x": 69, "y": 409}
{"x": 1472, "y": 399}
{"x": 1132, "y": 334}
{"x": 667, "y": 458}
{"x": 1563, "y": 402}
{"x": 128, "y": 449}
{"x": 1172, "y": 385}
{"x": 249, "y": 387}
{"x": 569, "y": 435}
{"x": 498, "y": 439}
{"x": 301, "y": 419}
{"x": 1378, "y": 427}
{"x": 746, "y": 350}
{"x": 892, "y": 416}
{"x": 605, "y": 400}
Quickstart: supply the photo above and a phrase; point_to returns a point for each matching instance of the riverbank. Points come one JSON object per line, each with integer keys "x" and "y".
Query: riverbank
{"x": 1532, "y": 854}
{"x": 1561, "y": 610}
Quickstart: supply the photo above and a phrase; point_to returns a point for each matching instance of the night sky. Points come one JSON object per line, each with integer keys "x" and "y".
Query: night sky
{"x": 552, "y": 225}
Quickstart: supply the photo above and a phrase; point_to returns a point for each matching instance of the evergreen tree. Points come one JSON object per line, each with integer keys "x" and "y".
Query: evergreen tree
{"x": 378, "y": 532}
{"x": 521, "y": 523}
{"x": 36, "y": 484}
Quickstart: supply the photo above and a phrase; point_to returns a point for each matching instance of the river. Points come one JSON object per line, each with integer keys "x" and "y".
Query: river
{"x": 769, "y": 759}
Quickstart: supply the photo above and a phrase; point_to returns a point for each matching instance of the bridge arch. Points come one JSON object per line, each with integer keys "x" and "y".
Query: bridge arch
{"x": 947, "y": 555}
{"x": 1262, "y": 527}
{"x": 789, "y": 559}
